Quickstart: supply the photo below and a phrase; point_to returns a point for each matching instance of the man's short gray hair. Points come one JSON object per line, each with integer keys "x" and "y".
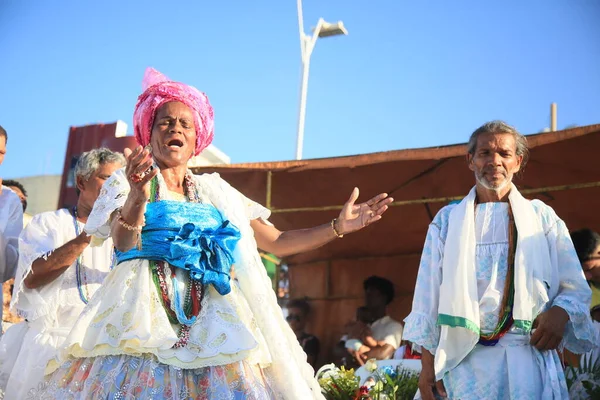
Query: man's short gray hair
{"x": 501, "y": 127}
{"x": 91, "y": 160}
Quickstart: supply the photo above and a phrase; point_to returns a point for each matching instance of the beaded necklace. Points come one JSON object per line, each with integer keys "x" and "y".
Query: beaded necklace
{"x": 81, "y": 276}
{"x": 505, "y": 320}
{"x": 192, "y": 302}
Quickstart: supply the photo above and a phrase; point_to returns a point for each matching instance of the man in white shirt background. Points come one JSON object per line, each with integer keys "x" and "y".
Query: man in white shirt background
{"x": 11, "y": 224}
{"x": 387, "y": 332}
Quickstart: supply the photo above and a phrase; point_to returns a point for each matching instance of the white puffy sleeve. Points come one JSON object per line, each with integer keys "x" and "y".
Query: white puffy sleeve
{"x": 253, "y": 209}
{"x": 421, "y": 324}
{"x": 112, "y": 197}
{"x": 39, "y": 238}
{"x": 574, "y": 294}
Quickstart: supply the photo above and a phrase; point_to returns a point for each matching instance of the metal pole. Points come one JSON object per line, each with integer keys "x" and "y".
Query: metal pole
{"x": 307, "y": 46}
{"x": 303, "y": 83}
{"x": 301, "y": 27}
{"x": 302, "y": 110}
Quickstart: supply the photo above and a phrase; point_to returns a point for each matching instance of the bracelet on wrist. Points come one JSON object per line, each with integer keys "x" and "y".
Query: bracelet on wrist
{"x": 132, "y": 228}
{"x": 338, "y": 234}
{"x": 127, "y": 226}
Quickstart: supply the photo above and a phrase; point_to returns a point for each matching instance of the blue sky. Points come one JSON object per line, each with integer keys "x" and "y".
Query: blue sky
{"x": 409, "y": 74}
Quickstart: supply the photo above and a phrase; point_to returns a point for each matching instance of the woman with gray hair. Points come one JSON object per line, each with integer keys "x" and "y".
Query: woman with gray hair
{"x": 58, "y": 272}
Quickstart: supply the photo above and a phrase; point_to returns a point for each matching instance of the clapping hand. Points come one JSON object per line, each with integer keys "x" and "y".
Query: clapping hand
{"x": 139, "y": 170}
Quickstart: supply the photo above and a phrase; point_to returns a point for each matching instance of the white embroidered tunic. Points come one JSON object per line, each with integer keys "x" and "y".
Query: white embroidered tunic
{"x": 50, "y": 310}
{"x": 511, "y": 369}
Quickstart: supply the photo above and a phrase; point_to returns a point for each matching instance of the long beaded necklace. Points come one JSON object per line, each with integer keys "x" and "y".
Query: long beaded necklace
{"x": 505, "y": 321}
{"x": 81, "y": 276}
{"x": 192, "y": 302}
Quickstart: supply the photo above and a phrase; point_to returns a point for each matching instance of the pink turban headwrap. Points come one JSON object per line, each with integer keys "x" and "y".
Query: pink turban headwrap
{"x": 158, "y": 90}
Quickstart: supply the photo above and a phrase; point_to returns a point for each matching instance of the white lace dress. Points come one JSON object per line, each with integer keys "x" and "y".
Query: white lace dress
{"x": 50, "y": 310}
{"x": 239, "y": 347}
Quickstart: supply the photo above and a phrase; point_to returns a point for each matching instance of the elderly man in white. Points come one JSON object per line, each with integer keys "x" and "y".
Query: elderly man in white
{"x": 499, "y": 287}
{"x": 58, "y": 272}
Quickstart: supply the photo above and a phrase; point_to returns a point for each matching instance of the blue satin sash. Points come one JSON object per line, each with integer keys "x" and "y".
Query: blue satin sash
{"x": 190, "y": 236}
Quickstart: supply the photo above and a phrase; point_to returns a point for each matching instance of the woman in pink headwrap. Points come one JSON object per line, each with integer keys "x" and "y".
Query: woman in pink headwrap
{"x": 169, "y": 323}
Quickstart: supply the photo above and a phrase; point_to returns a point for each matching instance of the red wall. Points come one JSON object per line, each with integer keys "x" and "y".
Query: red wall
{"x": 85, "y": 138}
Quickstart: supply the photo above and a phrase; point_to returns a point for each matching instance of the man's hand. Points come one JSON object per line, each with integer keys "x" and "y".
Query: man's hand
{"x": 361, "y": 355}
{"x": 427, "y": 384}
{"x": 84, "y": 238}
{"x": 549, "y": 328}
{"x": 427, "y": 381}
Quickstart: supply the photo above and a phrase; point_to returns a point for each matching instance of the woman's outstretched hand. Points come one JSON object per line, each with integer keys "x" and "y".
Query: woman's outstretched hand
{"x": 354, "y": 217}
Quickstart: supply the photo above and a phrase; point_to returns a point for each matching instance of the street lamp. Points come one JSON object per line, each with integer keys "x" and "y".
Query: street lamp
{"x": 307, "y": 44}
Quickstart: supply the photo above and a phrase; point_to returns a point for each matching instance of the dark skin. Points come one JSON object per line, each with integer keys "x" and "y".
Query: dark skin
{"x": 299, "y": 327}
{"x": 591, "y": 266}
{"x": 46, "y": 270}
{"x": 376, "y": 301}
{"x": 427, "y": 383}
{"x": 495, "y": 162}
{"x": 19, "y": 193}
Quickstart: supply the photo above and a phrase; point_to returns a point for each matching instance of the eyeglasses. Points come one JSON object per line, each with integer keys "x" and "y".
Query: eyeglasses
{"x": 292, "y": 317}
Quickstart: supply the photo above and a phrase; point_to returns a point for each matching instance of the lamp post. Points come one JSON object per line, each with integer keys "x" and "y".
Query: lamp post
{"x": 307, "y": 44}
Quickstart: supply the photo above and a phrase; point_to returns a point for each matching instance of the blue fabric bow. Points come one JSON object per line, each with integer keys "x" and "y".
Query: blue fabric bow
{"x": 190, "y": 236}
{"x": 206, "y": 253}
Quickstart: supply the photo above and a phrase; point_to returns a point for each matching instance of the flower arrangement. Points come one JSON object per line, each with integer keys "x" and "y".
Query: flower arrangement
{"x": 391, "y": 383}
{"x": 338, "y": 383}
{"x": 584, "y": 381}
{"x": 385, "y": 383}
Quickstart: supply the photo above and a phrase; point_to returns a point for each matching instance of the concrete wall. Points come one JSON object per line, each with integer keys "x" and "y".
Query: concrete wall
{"x": 42, "y": 192}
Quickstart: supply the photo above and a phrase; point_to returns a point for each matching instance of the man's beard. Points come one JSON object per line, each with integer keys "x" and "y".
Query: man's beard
{"x": 483, "y": 182}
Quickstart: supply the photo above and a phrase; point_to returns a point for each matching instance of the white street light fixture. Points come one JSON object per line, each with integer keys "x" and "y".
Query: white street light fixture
{"x": 307, "y": 44}
{"x": 328, "y": 29}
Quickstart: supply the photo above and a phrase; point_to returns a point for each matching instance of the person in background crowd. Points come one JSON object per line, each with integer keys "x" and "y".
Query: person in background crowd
{"x": 407, "y": 351}
{"x": 386, "y": 332}
{"x": 8, "y": 318}
{"x": 587, "y": 246}
{"x": 298, "y": 314}
{"x": 58, "y": 273}
{"x": 18, "y": 189}
{"x": 11, "y": 224}
{"x": 365, "y": 343}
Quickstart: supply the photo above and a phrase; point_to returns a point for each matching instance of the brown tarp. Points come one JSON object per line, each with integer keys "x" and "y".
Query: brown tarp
{"x": 563, "y": 171}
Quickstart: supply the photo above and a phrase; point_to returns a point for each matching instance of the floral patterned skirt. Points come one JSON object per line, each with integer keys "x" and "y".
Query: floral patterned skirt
{"x": 129, "y": 377}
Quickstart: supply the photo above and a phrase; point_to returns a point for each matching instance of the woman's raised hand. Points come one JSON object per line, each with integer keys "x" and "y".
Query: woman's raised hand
{"x": 139, "y": 171}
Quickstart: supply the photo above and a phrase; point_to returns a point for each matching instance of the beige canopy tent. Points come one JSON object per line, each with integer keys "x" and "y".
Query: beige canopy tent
{"x": 563, "y": 171}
